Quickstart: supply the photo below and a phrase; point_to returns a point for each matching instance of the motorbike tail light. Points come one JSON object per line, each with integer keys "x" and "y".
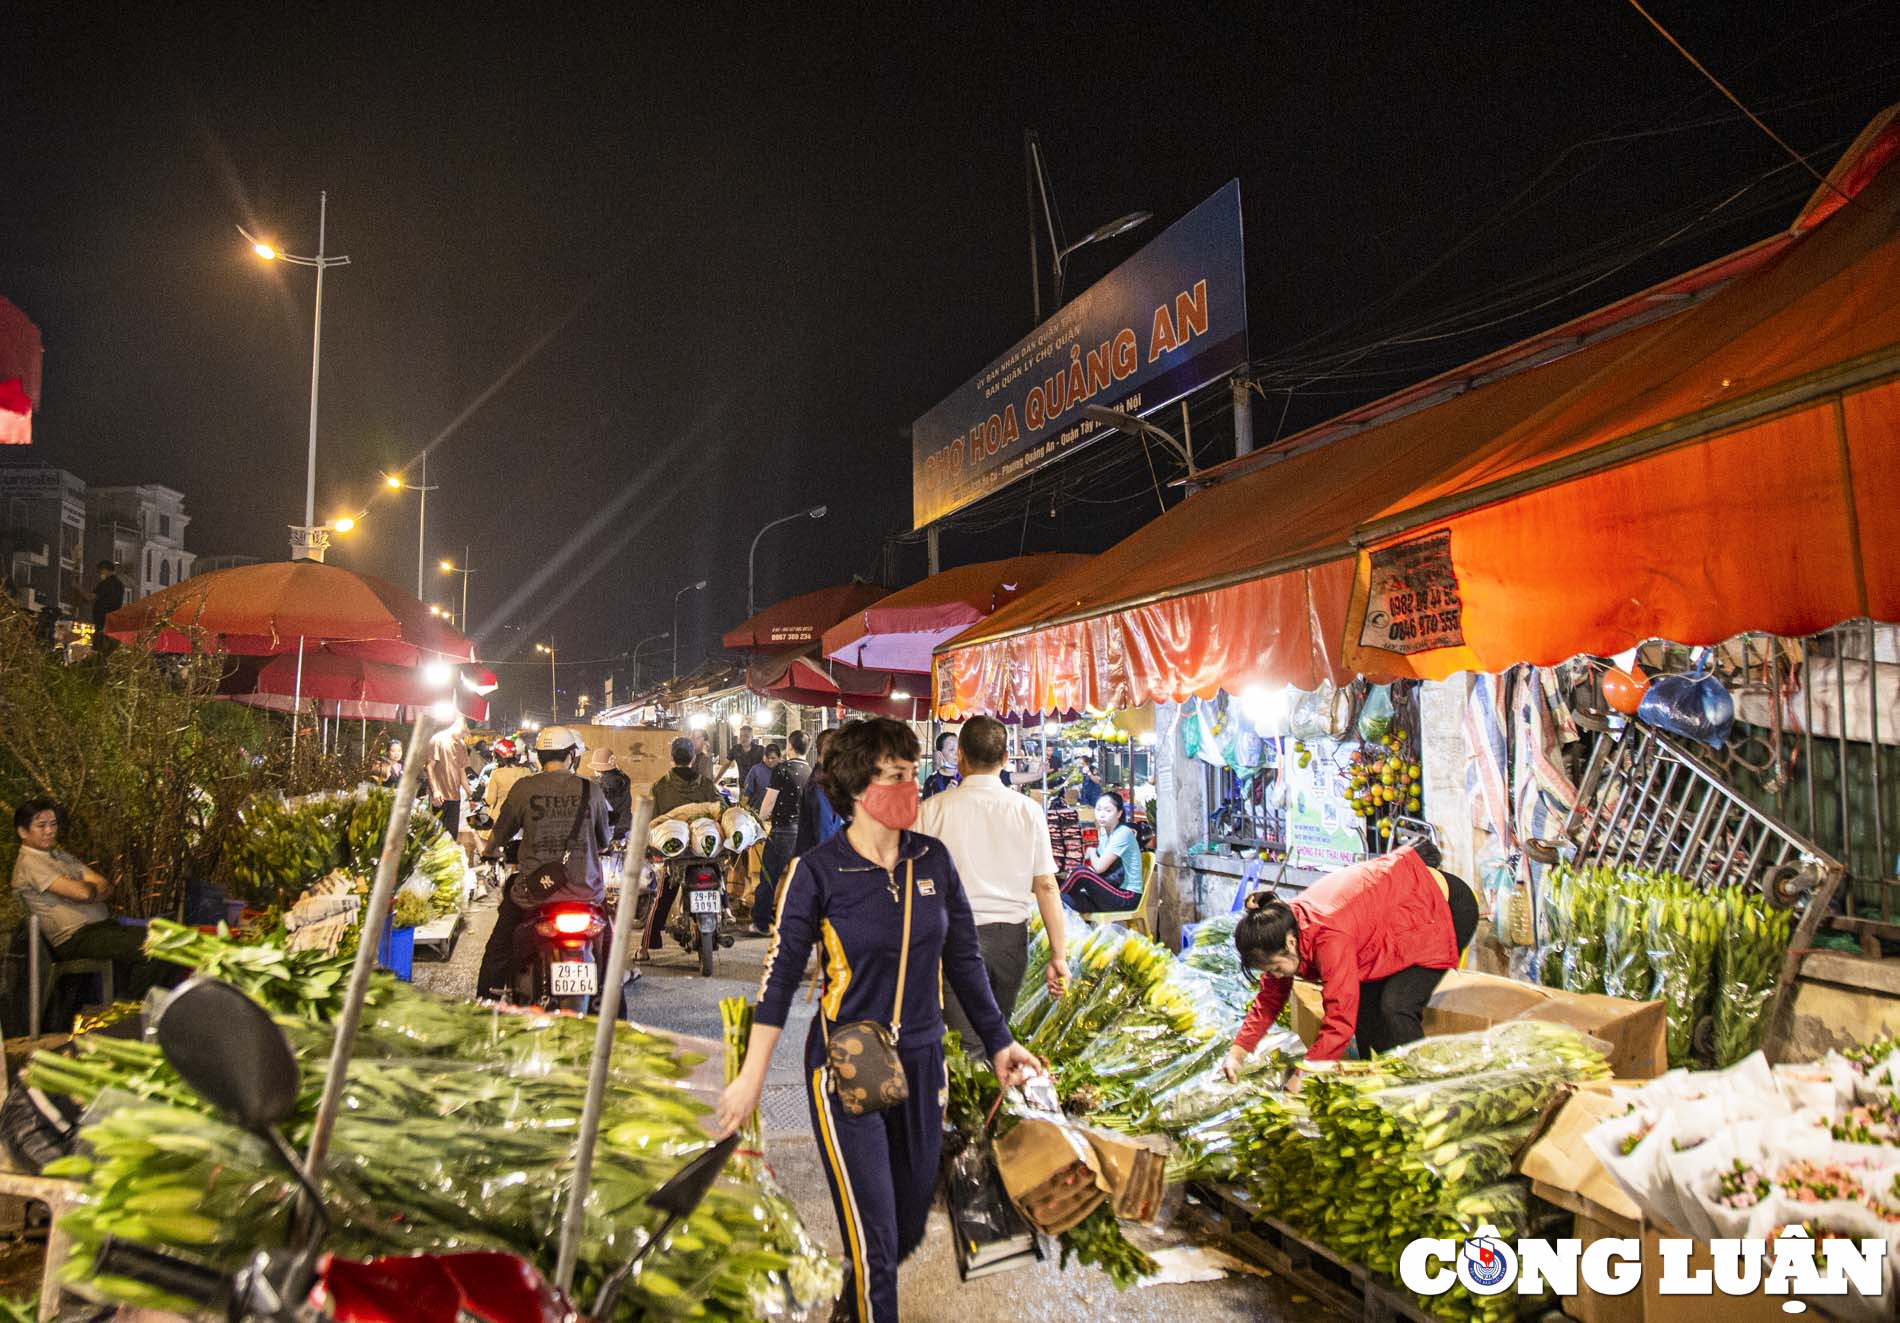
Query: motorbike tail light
{"x": 570, "y": 922}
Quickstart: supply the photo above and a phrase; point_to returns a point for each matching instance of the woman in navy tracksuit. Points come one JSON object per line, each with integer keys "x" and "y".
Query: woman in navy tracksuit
{"x": 847, "y": 896}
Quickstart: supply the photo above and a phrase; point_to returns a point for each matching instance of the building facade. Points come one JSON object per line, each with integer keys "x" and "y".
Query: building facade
{"x": 141, "y": 529}
{"x": 43, "y": 535}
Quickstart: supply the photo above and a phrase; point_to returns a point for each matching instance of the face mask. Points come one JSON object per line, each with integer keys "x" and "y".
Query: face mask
{"x": 893, "y": 805}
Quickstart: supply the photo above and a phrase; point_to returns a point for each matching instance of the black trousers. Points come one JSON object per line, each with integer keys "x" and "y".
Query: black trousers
{"x": 1006, "y": 961}
{"x": 506, "y": 945}
{"x": 1391, "y": 1009}
{"x": 133, "y": 973}
{"x": 664, "y": 894}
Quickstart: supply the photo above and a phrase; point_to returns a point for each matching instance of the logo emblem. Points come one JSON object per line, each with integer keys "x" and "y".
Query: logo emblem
{"x": 1487, "y": 1266}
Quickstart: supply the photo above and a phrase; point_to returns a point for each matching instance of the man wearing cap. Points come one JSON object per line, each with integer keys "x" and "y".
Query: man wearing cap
{"x": 564, "y": 824}
{"x": 678, "y": 788}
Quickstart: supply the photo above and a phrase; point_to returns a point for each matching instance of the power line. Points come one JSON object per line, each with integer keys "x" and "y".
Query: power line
{"x": 1722, "y": 87}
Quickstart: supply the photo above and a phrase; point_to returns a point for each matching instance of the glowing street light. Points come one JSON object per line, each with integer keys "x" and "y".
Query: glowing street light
{"x": 421, "y": 487}
{"x": 307, "y": 542}
{"x": 554, "y": 702}
{"x": 343, "y": 524}
{"x": 450, "y": 567}
{"x": 689, "y": 588}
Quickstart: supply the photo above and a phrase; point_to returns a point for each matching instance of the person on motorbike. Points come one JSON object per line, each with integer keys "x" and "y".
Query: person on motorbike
{"x": 565, "y": 824}
{"x": 682, "y": 786}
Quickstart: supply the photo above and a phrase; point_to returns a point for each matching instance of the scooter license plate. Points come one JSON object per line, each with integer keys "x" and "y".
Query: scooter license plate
{"x": 574, "y": 978}
{"x": 705, "y": 902}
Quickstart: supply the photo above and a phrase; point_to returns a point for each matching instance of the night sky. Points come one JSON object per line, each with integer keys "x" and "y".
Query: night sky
{"x": 753, "y": 248}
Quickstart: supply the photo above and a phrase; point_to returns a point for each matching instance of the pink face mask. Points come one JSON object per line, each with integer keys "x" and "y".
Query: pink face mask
{"x": 893, "y": 805}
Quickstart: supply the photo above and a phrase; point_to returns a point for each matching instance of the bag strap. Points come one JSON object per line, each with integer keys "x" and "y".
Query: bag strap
{"x": 903, "y": 952}
{"x": 580, "y": 817}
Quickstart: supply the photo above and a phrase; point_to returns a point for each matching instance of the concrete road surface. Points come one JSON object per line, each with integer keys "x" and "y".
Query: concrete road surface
{"x": 672, "y": 995}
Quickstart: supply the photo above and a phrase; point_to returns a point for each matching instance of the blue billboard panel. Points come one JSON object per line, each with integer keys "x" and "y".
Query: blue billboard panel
{"x": 1168, "y": 320}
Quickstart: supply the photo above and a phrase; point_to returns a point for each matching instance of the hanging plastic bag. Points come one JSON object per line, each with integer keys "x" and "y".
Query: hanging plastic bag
{"x": 1323, "y": 714}
{"x": 1375, "y": 718}
{"x": 1696, "y": 706}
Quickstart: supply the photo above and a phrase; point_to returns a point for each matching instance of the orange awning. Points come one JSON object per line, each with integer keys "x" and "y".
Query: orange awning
{"x": 1626, "y": 477}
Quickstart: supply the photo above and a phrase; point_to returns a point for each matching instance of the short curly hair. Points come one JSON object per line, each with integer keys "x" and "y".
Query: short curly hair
{"x": 856, "y": 748}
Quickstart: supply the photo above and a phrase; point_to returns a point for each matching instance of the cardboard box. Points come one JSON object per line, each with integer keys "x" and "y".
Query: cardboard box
{"x": 1051, "y": 1172}
{"x": 1467, "y": 1002}
{"x": 1635, "y": 1030}
{"x": 1559, "y": 1163}
{"x": 1589, "y": 1307}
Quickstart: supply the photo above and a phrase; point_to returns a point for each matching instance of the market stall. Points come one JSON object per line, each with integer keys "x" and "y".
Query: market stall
{"x": 1296, "y": 563}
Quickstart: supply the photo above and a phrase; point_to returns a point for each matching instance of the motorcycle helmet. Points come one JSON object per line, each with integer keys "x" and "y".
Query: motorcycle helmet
{"x": 705, "y": 837}
{"x": 503, "y": 749}
{"x": 740, "y": 829}
{"x": 669, "y": 839}
{"x": 552, "y": 739}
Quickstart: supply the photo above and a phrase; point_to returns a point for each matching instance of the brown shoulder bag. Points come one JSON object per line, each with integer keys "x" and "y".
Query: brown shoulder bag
{"x": 866, "y": 1072}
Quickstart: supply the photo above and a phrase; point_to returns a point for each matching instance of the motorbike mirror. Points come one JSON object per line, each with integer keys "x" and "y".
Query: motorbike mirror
{"x": 226, "y": 1047}
{"x": 687, "y": 1187}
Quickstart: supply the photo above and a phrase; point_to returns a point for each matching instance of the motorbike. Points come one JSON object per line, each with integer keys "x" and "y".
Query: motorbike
{"x": 226, "y": 1047}
{"x": 688, "y": 861}
{"x": 563, "y": 971}
{"x": 700, "y": 907}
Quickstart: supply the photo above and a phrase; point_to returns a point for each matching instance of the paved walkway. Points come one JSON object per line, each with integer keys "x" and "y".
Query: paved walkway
{"x": 673, "y": 995}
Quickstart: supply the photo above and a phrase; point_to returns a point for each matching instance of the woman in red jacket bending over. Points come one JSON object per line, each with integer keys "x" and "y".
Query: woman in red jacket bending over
{"x": 1377, "y": 937}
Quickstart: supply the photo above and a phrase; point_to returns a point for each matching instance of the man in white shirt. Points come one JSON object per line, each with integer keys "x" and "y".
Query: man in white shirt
{"x": 999, "y": 841}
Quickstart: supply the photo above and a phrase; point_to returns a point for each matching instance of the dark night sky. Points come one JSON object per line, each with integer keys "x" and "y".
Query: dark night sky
{"x": 765, "y": 244}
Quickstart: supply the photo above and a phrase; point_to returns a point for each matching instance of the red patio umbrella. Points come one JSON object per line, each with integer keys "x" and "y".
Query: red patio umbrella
{"x": 899, "y": 632}
{"x": 798, "y": 622}
{"x": 351, "y": 687}
{"x": 287, "y": 607}
{"x": 801, "y": 678}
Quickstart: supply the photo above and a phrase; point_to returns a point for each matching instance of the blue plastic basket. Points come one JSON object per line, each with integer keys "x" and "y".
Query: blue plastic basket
{"x": 397, "y": 952}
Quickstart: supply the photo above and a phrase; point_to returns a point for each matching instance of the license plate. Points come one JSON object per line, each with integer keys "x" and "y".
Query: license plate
{"x": 575, "y": 978}
{"x": 705, "y": 902}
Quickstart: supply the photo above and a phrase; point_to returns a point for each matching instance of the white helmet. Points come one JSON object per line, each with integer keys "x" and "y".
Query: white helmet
{"x": 705, "y": 837}
{"x": 669, "y": 839}
{"x": 741, "y": 829}
{"x": 552, "y": 739}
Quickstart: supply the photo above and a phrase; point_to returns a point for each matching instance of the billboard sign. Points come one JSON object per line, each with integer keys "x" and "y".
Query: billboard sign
{"x": 1167, "y": 321}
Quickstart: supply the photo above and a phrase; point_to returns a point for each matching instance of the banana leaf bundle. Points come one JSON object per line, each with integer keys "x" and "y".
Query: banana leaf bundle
{"x": 280, "y": 846}
{"x": 1512, "y": 1043}
{"x": 1038, "y": 1015}
{"x": 1626, "y": 971}
{"x": 434, "y": 1154}
{"x": 1556, "y": 932}
{"x": 1683, "y": 926}
{"x": 1581, "y": 894}
{"x": 1752, "y": 951}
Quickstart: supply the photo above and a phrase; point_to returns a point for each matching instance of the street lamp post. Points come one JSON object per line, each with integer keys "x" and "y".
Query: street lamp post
{"x": 1136, "y": 425}
{"x": 689, "y": 588}
{"x": 554, "y": 702}
{"x": 751, "y": 608}
{"x": 661, "y": 637}
{"x": 321, "y": 262}
{"x": 1036, "y": 171}
{"x": 421, "y": 487}
{"x": 450, "y": 567}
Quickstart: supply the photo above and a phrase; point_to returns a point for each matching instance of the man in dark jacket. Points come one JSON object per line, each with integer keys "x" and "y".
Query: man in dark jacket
{"x": 675, "y": 790}
{"x": 683, "y": 785}
{"x": 617, "y": 790}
